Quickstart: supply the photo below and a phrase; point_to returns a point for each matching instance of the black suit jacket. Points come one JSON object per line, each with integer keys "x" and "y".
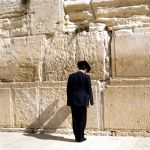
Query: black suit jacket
{"x": 79, "y": 91}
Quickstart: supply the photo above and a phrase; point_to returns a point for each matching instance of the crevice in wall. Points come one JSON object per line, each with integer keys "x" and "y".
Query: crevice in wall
{"x": 25, "y": 2}
{"x": 81, "y": 29}
{"x": 5, "y": 80}
{"x": 92, "y": 10}
{"x": 108, "y": 62}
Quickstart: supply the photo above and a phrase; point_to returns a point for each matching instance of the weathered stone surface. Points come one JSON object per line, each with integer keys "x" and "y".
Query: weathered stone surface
{"x": 5, "y": 108}
{"x": 130, "y": 53}
{"x": 43, "y": 105}
{"x": 12, "y": 8}
{"x": 122, "y": 12}
{"x": 116, "y": 14}
{"x": 80, "y": 15}
{"x": 64, "y": 51}
{"x": 12, "y": 27}
{"x": 94, "y": 118}
{"x": 93, "y": 47}
{"x": 53, "y": 110}
{"x": 26, "y": 107}
{"x": 79, "y": 10}
{"x": 126, "y": 107}
{"x": 60, "y": 57}
{"x": 45, "y": 21}
{"x": 125, "y": 23}
{"x": 20, "y": 58}
{"x": 77, "y": 5}
{"x": 118, "y": 3}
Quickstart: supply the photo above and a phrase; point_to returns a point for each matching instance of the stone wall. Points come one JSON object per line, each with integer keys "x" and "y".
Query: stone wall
{"x": 40, "y": 44}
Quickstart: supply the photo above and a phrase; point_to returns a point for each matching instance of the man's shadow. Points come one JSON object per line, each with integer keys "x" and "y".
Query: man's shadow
{"x": 49, "y": 137}
{"x": 49, "y": 119}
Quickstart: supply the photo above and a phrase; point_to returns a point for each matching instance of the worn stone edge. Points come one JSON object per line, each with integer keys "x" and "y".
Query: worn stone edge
{"x": 135, "y": 133}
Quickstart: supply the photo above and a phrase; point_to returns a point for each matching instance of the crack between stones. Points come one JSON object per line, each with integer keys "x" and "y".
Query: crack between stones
{"x": 94, "y": 16}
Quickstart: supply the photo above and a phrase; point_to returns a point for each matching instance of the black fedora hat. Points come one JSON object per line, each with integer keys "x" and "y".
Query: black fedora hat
{"x": 82, "y": 65}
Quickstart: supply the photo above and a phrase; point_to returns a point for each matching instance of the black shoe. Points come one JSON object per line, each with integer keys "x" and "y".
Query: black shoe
{"x": 80, "y": 140}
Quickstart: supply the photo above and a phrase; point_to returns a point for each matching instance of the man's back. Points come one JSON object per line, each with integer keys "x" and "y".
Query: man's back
{"x": 79, "y": 89}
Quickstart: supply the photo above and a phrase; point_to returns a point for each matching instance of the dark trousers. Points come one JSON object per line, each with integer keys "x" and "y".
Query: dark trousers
{"x": 79, "y": 117}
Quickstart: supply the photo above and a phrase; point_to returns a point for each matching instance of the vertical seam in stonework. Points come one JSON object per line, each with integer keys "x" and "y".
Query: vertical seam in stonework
{"x": 38, "y": 97}
{"x": 14, "y": 106}
{"x": 64, "y": 8}
{"x": 102, "y": 104}
{"x": 114, "y": 54}
{"x": 28, "y": 19}
{"x": 109, "y": 52}
{"x": 92, "y": 10}
{"x": 107, "y": 45}
{"x": 12, "y": 109}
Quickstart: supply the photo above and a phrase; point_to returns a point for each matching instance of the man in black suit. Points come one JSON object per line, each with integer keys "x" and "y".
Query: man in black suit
{"x": 79, "y": 94}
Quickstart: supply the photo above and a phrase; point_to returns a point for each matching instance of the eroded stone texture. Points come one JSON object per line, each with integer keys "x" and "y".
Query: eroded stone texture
{"x": 26, "y": 107}
{"x": 20, "y": 58}
{"x": 81, "y": 15}
{"x": 60, "y": 57}
{"x": 94, "y": 118}
{"x": 12, "y": 8}
{"x": 77, "y": 5}
{"x": 127, "y": 106}
{"x": 118, "y": 3}
{"x": 122, "y": 11}
{"x": 45, "y": 15}
{"x": 5, "y": 108}
{"x": 53, "y": 110}
{"x": 116, "y": 14}
{"x": 12, "y": 27}
{"x": 64, "y": 51}
{"x": 130, "y": 53}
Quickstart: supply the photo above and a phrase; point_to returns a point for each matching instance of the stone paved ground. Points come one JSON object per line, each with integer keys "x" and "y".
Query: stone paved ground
{"x": 24, "y": 141}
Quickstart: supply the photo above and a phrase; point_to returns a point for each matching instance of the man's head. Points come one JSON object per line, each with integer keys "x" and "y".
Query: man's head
{"x": 83, "y": 65}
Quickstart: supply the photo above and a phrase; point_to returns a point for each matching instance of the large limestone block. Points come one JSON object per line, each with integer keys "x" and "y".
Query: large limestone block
{"x": 126, "y": 106}
{"x": 43, "y": 105}
{"x": 53, "y": 110}
{"x": 94, "y": 116}
{"x": 122, "y": 12}
{"x": 79, "y": 10}
{"x": 12, "y": 27}
{"x": 130, "y": 53}
{"x": 94, "y": 47}
{"x": 45, "y": 15}
{"x": 60, "y": 57}
{"x": 81, "y": 15}
{"x": 118, "y": 3}
{"x": 20, "y": 58}
{"x": 77, "y": 5}
{"x": 125, "y": 23}
{"x": 26, "y": 107}
{"x": 6, "y": 112}
{"x": 12, "y": 8}
{"x": 63, "y": 52}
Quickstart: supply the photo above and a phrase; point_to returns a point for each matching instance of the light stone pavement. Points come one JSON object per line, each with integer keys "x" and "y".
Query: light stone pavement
{"x": 24, "y": 141}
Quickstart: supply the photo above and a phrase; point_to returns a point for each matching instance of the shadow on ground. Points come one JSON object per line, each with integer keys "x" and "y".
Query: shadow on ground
{"x": 49, "y": 137}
